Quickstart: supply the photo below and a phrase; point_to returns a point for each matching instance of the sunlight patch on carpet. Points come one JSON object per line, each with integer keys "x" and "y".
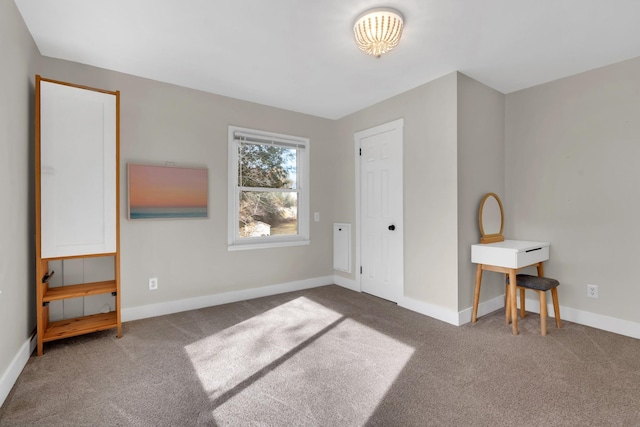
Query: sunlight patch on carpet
{"x": 300, "y": 360}
{"x": 229, "y": 357}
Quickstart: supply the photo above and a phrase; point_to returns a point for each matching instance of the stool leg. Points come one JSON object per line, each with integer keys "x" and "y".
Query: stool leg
{"x": 556, "y": 307}
{"x": 543, "y": 312}
{"x": 476, "y": 294}
{"x": 522, "y": 313}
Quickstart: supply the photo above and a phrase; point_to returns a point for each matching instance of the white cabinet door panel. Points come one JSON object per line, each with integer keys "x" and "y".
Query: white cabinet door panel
{"x": 77, "y": 171}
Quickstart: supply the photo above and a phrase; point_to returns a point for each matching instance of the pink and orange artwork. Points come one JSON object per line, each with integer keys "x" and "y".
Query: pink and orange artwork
{"x": 164, "y": 192}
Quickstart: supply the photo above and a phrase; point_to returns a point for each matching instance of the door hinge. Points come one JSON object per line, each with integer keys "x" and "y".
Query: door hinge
{"x": 360, "y": 269}
{"x": 361, "y": 151}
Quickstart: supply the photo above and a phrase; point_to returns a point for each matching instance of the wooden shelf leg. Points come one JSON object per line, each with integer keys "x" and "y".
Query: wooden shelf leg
{"x": 42, "y": 312}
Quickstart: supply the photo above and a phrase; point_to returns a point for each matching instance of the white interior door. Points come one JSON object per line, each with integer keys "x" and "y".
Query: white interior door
{"x": 381, "y": 214}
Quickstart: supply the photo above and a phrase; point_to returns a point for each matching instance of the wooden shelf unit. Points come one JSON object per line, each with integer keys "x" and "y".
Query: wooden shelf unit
{"x": 51, "y": 331}
{"x": 80, "y": 326}
{"x": 71, "y": 120}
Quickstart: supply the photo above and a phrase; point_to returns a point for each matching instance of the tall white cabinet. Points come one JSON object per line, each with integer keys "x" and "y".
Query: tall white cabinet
{"x": 77, "y": 200}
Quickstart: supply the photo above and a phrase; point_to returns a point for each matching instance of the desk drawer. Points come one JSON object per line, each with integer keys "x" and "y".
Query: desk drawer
{"x": 509, "y": 257}
{"x": 532, "y": 256}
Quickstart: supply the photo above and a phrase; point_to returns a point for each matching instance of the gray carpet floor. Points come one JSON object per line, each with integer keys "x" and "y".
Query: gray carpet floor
{"x": 330, "y": 357}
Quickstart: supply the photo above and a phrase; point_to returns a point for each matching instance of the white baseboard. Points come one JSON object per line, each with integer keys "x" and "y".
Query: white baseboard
{"x": 430, "y": 310}
{"x": 409, "y": 303}
{"x": 346, "y": 283}
{"x": 486, "y": 307}
{"x": 170, "y": 307}
{"x": 598, "y": 321}
{"x": 16, "y": 366}
{"x": 449, "y": 316}
{"x": 586, "y": 318}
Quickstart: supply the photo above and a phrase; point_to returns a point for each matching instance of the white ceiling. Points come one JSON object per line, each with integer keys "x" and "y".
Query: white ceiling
{"x": 300, "y": 55}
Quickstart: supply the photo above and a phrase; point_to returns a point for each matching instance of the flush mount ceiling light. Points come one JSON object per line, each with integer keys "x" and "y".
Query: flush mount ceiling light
{"x": 378, "y": 30}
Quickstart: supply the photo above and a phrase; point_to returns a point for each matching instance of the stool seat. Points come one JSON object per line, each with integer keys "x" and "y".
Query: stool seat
{"x": 541, "y": 285}
{"x": 535, "y": 282}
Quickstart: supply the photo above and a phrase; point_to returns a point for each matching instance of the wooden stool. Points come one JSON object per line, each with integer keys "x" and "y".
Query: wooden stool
{"x": 541, "y": 285}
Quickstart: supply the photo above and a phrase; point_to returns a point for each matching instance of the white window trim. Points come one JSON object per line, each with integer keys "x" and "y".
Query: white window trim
{"x": 302, "y": 238}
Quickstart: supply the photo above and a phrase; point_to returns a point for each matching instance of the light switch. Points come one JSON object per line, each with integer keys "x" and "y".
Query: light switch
{"x": 316, "y": 216}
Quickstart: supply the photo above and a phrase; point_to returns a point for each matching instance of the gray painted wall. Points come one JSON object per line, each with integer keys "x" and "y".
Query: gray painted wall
{"x": 453, "y": 154}
{"x": 17, "y": 308}
{"x": 572, "y": 175}
{"x": 481, "y": 151}
{"x": 430, "y": 185}
{"x": 166, "y": 123}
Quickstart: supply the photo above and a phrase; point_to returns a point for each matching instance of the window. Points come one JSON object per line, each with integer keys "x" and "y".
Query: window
{"x": 268, "y": 189}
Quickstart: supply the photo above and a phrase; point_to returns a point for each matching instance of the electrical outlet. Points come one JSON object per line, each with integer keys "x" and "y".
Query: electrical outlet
{"x": 153, "y": 283}
{"x": 592, "y": 291}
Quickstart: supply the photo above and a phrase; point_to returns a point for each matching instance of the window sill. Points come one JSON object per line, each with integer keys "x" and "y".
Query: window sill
{"x": 266, "y": 245}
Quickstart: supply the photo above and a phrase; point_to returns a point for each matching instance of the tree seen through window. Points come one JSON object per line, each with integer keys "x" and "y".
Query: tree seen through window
{"x": 268, "y": 196}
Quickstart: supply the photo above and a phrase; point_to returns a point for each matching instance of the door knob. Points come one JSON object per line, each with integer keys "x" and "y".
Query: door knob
{"x": 392, "y": 227}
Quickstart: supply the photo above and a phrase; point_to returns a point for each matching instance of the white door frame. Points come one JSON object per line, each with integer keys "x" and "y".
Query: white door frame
{"x": 398, "y": 123}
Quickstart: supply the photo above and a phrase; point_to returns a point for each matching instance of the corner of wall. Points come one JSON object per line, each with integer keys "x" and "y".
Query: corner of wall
{"x": 10, "y": 376}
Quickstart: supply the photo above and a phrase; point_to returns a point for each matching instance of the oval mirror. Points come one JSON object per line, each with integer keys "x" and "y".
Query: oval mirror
{"x": 491, "y": 219}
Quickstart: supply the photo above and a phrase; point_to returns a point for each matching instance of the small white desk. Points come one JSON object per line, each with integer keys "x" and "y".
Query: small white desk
{"x": 507, "y": 257}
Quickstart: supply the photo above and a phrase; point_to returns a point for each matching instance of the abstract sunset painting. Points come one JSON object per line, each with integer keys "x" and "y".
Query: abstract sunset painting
{"x": 164, "y": 192}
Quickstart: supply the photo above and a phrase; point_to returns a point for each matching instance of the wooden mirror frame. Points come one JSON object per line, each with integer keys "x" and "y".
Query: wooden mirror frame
{"x": 491, "y": 238}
